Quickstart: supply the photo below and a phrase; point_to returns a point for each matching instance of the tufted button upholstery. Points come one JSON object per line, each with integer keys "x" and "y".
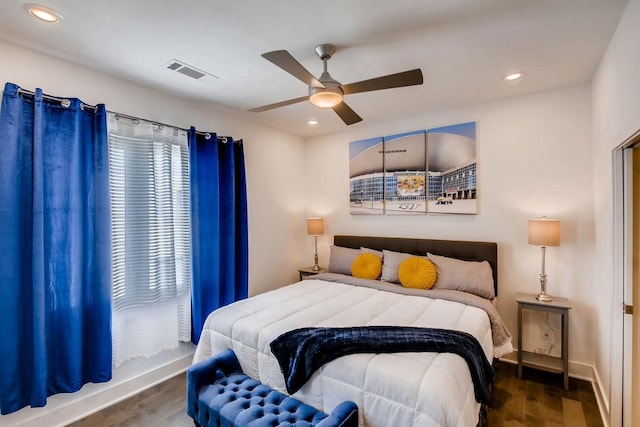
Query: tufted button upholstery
{"x": 219, "y": 394}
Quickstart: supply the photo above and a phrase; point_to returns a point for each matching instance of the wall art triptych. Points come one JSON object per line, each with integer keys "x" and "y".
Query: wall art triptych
{"x": 432, "y": 171}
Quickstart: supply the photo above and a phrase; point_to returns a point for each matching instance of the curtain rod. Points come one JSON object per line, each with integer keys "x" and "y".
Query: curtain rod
{"x": 207, "y": 135}
{"x": 66, "y": 103}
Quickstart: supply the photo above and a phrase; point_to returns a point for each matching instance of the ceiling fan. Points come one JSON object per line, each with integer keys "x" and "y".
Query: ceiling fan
{"x": 326, "y": 92}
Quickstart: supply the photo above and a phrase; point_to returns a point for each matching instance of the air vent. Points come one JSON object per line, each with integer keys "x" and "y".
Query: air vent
{"x": 190, "y": 71}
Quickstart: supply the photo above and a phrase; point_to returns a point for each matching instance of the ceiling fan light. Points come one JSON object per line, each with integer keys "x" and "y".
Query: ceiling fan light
{"x": 325, "y": 97}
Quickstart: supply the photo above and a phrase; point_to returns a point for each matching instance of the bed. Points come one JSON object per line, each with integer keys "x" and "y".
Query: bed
{"x": 404, "y": 389}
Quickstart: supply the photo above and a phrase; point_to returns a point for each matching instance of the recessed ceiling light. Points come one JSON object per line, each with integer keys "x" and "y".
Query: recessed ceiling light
{"x": 43, "y": 13}
{"x": 312, "y": 122}
{"x": 514, "y": 76}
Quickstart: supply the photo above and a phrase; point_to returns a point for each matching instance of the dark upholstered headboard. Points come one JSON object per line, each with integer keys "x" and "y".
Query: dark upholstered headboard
{"x": 469, "y": 251}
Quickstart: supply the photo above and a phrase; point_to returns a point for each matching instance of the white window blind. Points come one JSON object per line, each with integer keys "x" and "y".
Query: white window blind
{"x": 149, "y": 178}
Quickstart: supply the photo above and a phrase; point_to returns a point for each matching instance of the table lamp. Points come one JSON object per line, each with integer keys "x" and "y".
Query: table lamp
{"x": 544, "y": 232}
{"x": 315, "y": 227}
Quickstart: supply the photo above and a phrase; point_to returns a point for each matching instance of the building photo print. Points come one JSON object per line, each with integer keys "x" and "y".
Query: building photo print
{"x": 451, "y": 161}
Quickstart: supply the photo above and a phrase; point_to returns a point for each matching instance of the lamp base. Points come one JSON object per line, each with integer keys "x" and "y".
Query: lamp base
{"x": 544, "y": 297}
{"x": 315, "y": 267}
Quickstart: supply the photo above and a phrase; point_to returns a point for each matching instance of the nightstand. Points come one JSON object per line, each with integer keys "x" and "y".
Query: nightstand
{"x": 309, "y": 271}
{"x": 541, "y": 361}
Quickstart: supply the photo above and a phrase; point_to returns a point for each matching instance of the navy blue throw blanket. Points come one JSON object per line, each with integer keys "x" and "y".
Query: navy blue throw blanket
{"x": 301, "y": 351}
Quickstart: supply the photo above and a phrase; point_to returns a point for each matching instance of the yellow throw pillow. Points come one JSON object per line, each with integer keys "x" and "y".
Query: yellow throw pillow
{"x": 416, "y": 272}
{"x": 366, "y": 266}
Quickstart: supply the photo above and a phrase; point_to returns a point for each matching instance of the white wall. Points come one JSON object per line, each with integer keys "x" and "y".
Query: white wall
{"x": 276, "y": 217}
{"x": 616, "y": 116}
{"x": 534, "y": 158}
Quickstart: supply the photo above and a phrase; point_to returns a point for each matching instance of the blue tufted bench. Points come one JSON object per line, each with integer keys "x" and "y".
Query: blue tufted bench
{"x": 219, "y": 394}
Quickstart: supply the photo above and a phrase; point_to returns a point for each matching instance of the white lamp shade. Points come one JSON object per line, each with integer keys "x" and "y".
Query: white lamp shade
{"x": 315, "y": 226}
{"x": 544, "y": 232}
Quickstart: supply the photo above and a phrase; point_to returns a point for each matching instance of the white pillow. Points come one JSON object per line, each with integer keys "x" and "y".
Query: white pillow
{"x": 468, "y": 276}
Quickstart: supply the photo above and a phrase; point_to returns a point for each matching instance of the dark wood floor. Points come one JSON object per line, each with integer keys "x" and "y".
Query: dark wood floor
{"x": 163, "y": 405}
{"x": 537, "y": 400}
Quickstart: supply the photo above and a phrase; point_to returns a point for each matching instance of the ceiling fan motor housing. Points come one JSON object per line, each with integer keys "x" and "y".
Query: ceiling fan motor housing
{"x": 331, "y": 94}
{"x": 328, "y": 96}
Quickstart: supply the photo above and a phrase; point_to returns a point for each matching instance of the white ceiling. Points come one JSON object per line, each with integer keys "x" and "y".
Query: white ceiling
{"x": 464, "y": 47}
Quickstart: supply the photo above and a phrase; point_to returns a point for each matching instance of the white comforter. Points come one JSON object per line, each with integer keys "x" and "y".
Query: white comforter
{"x": 398, "y": 389}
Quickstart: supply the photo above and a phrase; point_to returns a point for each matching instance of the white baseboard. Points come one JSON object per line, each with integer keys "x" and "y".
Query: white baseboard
{"x": 131, "y": 378}
{"x": 603, "y": 402}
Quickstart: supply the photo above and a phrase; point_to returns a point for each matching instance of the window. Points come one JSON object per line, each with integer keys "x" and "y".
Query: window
{"x": 149, "y": 182}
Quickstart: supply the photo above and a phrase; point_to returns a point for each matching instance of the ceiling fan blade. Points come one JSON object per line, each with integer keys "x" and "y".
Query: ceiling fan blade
{"x": 288, "y": 63}
{"x": 347, "y": 115}
{"x": 278, "y": 104}
{"x": 405, "y": 78}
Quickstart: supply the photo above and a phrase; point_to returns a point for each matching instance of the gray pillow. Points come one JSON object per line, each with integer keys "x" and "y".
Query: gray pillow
{"x": 341, "y": 259}
{"x": 467, "y": 276}
{"x": 391, "y": 264}
{"x": 379, "y": 254}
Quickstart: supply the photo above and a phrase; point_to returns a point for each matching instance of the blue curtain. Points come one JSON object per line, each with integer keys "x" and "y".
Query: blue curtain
{"x": 218, "y": 225}
{"x": 55, "y": 234}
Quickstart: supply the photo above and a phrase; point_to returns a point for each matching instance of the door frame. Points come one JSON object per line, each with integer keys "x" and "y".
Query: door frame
{"x": 622, "y": 362}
